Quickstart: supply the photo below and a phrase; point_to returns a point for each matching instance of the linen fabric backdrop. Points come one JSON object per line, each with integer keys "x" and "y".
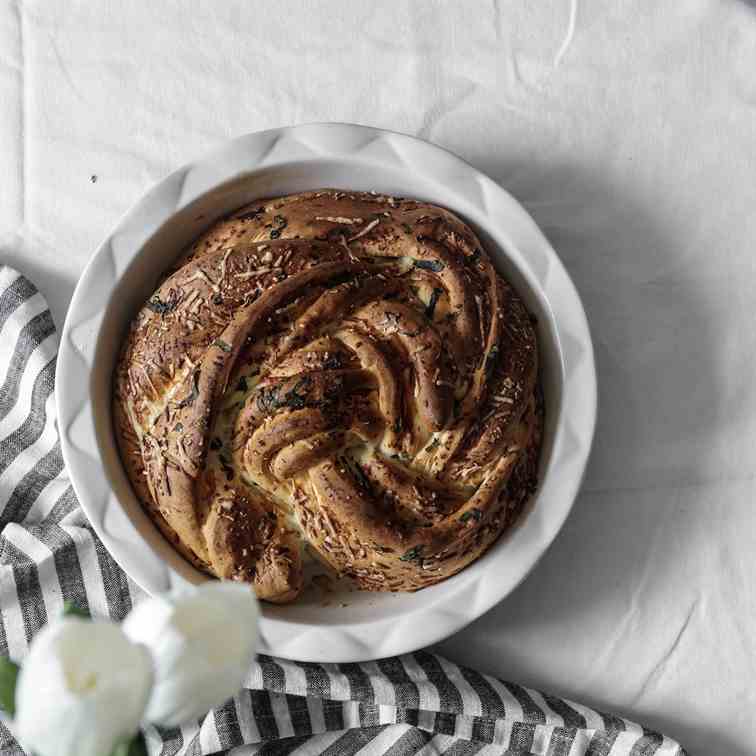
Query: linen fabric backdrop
{"x": 627, "y": 131}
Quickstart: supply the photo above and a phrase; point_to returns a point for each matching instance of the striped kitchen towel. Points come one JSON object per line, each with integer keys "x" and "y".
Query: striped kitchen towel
{"x": 418, "y": 703}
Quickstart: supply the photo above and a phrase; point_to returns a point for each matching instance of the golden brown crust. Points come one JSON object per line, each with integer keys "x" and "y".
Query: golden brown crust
{"x": 339, "y": 368}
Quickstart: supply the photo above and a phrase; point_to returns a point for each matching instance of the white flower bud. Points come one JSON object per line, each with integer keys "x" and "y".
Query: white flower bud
{"x": 202, "y": 642}
{"x": 82, "y": 688}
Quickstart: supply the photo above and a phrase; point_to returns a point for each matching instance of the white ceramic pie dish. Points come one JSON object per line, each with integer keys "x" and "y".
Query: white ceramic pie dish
{"x": 122, "y": 274}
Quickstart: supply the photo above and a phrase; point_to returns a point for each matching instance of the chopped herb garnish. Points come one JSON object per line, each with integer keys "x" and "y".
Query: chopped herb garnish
{"x": 407, "y": 228}
{"x": 431, "y": 306}
{"x": 473, "y": 258}
{"x": 415, "y": 553}
{"x": 188, "y": 400}
{"x": 472, "y": 514}
{"x": 297, "y": 397}
{"x": 267, "y": 399}
{"x": 252, "y": 214}
{"x": 275, "y": 233}
{"x": 332, "y": 362}
{"x": 362, "y": 479}
{"x": 493, "y": 356}
{"x": 216, "y": 444}
{"x": 398, "y": 423}
{"x": 217, "y": 299}
{"x": 280, "y": 221}
{"x": 178, "y": 427}
{"x": 226, "y": 465}
{"x": 433, "y": 265}
{"x": 242, "y": 385}
{"x": 160, "y": 307}
{"x": 222, "y": 345}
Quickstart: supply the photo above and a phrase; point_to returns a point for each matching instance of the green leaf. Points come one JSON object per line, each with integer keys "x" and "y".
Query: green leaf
{"x": 8, "y": 675}
{"x": 133, "y": 747}
{"x": 71, "y": 610}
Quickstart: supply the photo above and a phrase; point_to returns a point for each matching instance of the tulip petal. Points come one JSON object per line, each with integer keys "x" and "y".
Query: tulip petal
{"x": 201, "y": 641}
{"x": 82, "y": 688}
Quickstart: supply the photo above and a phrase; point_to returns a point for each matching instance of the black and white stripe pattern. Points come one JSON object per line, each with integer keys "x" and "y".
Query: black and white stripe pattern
{"x": 415, "y": 704}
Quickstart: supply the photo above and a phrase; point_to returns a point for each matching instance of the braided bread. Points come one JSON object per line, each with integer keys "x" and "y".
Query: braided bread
{"x": 338, "y": 370}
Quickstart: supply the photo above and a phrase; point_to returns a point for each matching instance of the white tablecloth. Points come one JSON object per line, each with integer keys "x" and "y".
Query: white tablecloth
{"x": 629, "y": 132}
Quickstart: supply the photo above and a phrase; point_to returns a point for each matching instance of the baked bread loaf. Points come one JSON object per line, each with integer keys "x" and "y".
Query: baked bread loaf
{"x": 337, "y": 370}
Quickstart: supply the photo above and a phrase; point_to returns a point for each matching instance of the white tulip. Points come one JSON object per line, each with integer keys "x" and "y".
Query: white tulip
{"x": 202, "y": 642}
{"x": 81, "y": 689}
